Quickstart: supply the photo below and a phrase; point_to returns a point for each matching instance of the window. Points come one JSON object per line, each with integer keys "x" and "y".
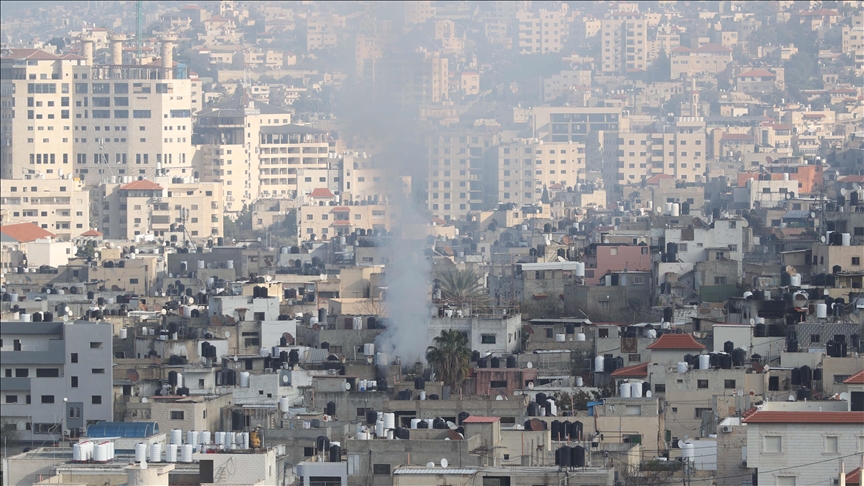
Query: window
{"x": 682, "y": 247}
{"x": 549, "y": 333}
{"x": 22, "y": 372}
{"x": 95, "y": 345}
{"x": 47, "y": 398}
{"x": 702, "y": 384}
{"x": 47, "y": 372}
{"x": 11, "y": 398}
{"x": 660, "y": 388}
{"x": 74, "y": 358}
{"x": 96, "y": 399}
{"x": 786, "y": 481}
{"x": 832, "y": 445}
{"x": 176, "y": 415}
{"x": 487, "y": 339}
{"x": 773, "y": 443}
{"x": 719, "y": 280}
{"x": 707, "y": 412}
{"x": 729, "y": 384}
{"x": 98, "y": 371}
{"x": 603, "y": 333}
{"x": 498, "y": 384}
{"x": 856, "y": 261}
{"x": 634, "y": 358}
{"x": 140, "y": 113}
{"x": 74, "y": 382}
{"x": 383, "y": 469}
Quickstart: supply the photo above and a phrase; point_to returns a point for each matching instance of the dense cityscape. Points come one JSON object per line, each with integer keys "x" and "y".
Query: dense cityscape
{"x": 504, "y": 243}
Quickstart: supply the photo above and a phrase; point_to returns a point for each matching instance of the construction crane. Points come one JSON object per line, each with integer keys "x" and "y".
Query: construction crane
{"x": 139, "y": 31}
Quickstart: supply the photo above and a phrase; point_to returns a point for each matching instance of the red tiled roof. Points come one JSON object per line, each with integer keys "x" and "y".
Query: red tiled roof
{"x": 657, "y": 178}
{"x": 802, "y": 417}
{"x": 713, "y": 48}
{"x": 32, "y": 54}
{"x": 478, "y": 419}
{"x": 852, "y": 178}
{"x": 439, "y": 221}
{"x": 675, "y": 341}
{"x": 635, "y": 371}
{"x": 321, "y": 192}
{"x": 91, "y": 232}
{"x": 25, "y": 232}
{"x": 341, "y": 208}
{"x": 761, "y": 73}
{"x": 142, "y": 185}
{"x": 854, "y": 477}
{"x": 856, "y": 379}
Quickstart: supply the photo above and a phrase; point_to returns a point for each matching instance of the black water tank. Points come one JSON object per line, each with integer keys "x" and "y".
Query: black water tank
{"x": 759, "y": 331}
{"x": 47, "y": 317}
{"x": 855, "y": 341}
{"x": 331, "y": 409}
{"x": 817, "y": 374}
{"x": 482, "y": 363}
{"x": 461, "y": 416}
{"x": 496, "y": 362}
{"x": 562, "y": 456}
{"x": 738, "y": 356}
{"x": 371, "y": 417}
{"x": 668, "y": 314}
{"x": 728, "y": 347}
{"x": 726, "y": 361}
{"x": 836, "y": 269}
{"x": 577, "y": 456}
{"x": 322, "y": 443}
{"x": 382, "y": 385}
{"x": 293, "y": 356}
{"x": 172, "y": 378}
{"x": 806, "y": 375}
{"x": 785, "y": 279}
{"x": 511, "y": 361}
{"x": 796, "y": 376}
{"x": 419, "y": 384}
{"x": 840, "y": 349}
{"x": 238, "y": 420}
{"x": 791, "y": 345}
{"x": 36, "y": 317}
{"x": 802, "y": 394}
{"x": 541, "y": 398}
{"x": 475, "y": 355}
{"x": 335, "y": 453}
{"x": 557, "y": 433}
{"x": 533, "y": 409}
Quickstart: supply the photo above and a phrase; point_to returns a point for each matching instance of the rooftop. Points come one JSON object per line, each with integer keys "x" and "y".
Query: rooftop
{"x": 635, "y": 371}
{"x": 141, "y": 185}
{"x": 477, "y": 419}
{"x": 755, "y": 416}
{"x": 856, "y": 379}
{"x": 25, "y": 232}
{"x": 675, "y": 341}
{"x": 321, "y": 192}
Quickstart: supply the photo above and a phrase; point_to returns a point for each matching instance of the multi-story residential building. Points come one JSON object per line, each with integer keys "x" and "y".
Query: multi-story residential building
{"x": 707, "y": 59}
{"x": 228, "y": 138}
{"x": 331, "y": 220}
{"x": 853, "y": 35}
{"x": 558, "y": 84}
{"x": 61, "y": 206}
{"x": 520, "y": 170}
{"x": 29, "y": 246}
{"x": 146, "y": 111}
{"x": 410, "y": 78}
{"x": 542, "y": 31}
{"x": 568, "y": 124}
{"x": 294, "y": 160}
{"x": 624, "y": 43}
{"x": 455, "y": 172}
{"x": 677, "y": 149}
{"x": 794, "y": 444}
{"x": 174, "y": 208}
{"x": 56, "y": 378}
{"x": 322, "y": 31}
{"x": 756, "y": 81}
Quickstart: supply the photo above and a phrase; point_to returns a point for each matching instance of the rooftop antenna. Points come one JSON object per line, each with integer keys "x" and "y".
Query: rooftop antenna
{"x": 138, "y": 30}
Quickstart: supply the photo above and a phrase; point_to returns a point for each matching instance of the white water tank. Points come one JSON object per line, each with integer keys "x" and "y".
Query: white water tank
{"x": 422, "y": 395}
{"x": 192, "y": 438}
{"x": 219, "y": 438}
{"x": 200, "y": 264}
{"x": 244, "y": 379}
{"x": 688, "y": 452}
{"x": 579, "y": 381}
{"x": 100, "y": 454}
{"x": 847, "y": 239}
{"x": 284, "y": 404}
{"x": 205, "y": 437}
{"x": 155, "y": 452}
{"x": 652, "y": 334}
{"x": 795, "y": 281}
{"x": 560, "y": 338}
{"x": 676, "y": 209}
{"x": 580, "y": 269}
{"x": 25, "y": 317}
{"x": 389, "y": 420}
{"x": 76, "y": 451}
{"x": 429, "y": 422}
{"x": 414, "y": 423}
{"x": 636, "y": 389}
{"x": 381, "y": 359}
{"x": 180, "y": 380}
{"x": 682, "y": 367}
{"x": 171, "y": 453}
{"x": 140, "y": 452}
{"x": 580, "y": 336}
{"x": 379, "y": 428}
{"x": 369, "y": 349}
{"x": 186, "y": 453}
{"x": 598, "y": 364}
{"x": 245, "y": 440}
{"x": 123, "y": 333}
{"x": 822, "y": 311}
{"x": 625, "y": 390}
{"x": 176, "y": 436}
{"x": 230, "y": 440}
{"x": 704, "y": 361}
{"x": 747, "y": 294}
{"x": 230, "y": 264}
{"x": 357, "y": 324}
{"x": 668, "y": 208}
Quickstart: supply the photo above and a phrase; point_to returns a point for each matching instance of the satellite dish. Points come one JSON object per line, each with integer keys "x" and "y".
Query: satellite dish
{"x": 285, "y": 379}
{"x": 822, "y": 239}
{"x": 430, "y": 464}
{"x": 606, "y": 241}
{"x": 680, "y": 444}
{"x": 752, "y": 321}
{"x": 530, "y": 385}
{"x": 791, "y": 398}
{"x": 826, "y": 292}
{"x": 164, "y": 311}
{"x": 144, "y": 400}
{"x": 499, "y": 398}
{"x": 812, "y": 214}
{"x": 235, "y": 359}
{"x": 347, "y": 386}
{"x": 132, "y": 375}
{"x": 766, "y": 368}
{"x": 444, "y": 462}
{"x": 65, "y": 318}
{"x": 454, "y": 426}
{"x": 227, "y": 334}
{"x": 648, "y": 394}
{"x": 842, "y": 191}
{"x": 844, "y": 396}
{"x": 531, "y": 365}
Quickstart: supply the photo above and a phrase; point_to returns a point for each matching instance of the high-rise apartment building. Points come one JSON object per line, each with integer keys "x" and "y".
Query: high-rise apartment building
{"x": 56, "y": 377}
{"x": 64, "y": 115}
{"x": 574, "y": 124}
{"x": 520, "y": 170}
{"x": 542, "y": 31}
{"x": 677, "y": 149}
{"x": 624, "y": 43}
{"x": 411, "y": 78}
{"x": 456, "y": 167}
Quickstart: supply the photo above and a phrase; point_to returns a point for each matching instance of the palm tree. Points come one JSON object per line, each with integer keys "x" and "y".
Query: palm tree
{"x": 450, "y": 357}
{"x": 460, "y": 287}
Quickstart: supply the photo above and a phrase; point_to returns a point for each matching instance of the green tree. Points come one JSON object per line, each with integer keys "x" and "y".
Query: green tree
{"x": 229, "y": 228}
{"x": 802, "y": 73}
{"x": 58, "y": 42}
{"x": 460, "y": 287}
{"x": 450, "y": 357}
{"x": 85, "y": 251}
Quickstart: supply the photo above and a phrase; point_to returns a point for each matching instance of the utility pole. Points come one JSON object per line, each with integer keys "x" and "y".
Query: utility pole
{"x": 139, "y": 30}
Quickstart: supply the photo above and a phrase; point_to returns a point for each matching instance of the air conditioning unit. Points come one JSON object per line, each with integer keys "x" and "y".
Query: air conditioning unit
{"x": 743, "y": 463}
{"x": 726, "y": 429}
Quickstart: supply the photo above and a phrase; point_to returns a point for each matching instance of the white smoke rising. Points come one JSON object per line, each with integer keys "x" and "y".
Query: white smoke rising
{"x": 407, "y": 301}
